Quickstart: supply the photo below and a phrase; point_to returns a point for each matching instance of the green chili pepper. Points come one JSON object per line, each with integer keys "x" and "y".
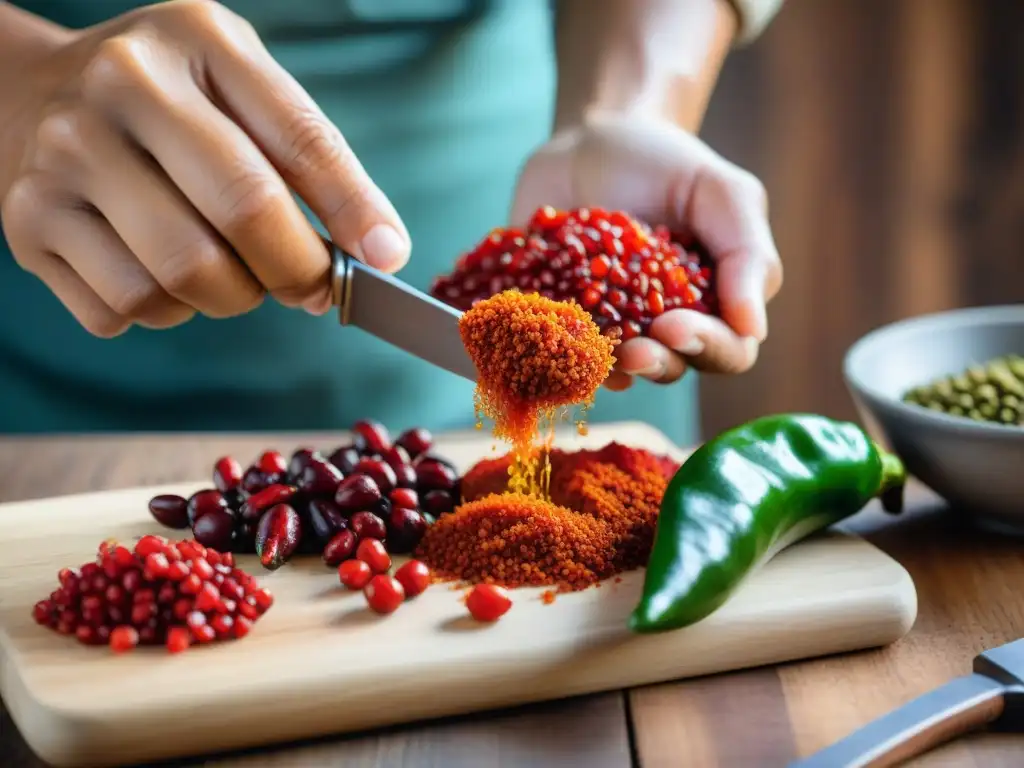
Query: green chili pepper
{"x": 742, "y": 497}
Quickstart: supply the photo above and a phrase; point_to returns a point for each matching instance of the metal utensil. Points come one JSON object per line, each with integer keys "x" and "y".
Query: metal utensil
{"x": 397, "y": 313}
{"x": 993, "y": 694}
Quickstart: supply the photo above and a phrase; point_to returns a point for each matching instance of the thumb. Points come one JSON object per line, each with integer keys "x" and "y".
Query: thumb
{"x": 367, "y": 225}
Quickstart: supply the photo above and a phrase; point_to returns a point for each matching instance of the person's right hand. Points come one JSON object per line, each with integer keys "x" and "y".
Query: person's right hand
{"x": 155, "y": 178}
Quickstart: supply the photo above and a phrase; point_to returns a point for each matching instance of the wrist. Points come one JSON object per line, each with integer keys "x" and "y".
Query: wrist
{"x": 654, "y": 59}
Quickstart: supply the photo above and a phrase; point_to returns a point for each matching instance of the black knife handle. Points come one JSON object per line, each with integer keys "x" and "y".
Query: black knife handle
{"x": 962, "y": 705}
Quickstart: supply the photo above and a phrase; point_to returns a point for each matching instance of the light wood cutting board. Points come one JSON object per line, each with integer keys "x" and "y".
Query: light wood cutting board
{"x": 319, "y": 662}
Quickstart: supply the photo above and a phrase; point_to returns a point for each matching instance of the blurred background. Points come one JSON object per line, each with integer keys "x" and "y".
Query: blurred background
{"x": 890, "y": 136}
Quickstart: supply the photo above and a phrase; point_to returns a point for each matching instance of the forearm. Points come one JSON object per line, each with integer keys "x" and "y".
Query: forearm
{"x": 24, "y": 38}
{"x": 659, "y": 58}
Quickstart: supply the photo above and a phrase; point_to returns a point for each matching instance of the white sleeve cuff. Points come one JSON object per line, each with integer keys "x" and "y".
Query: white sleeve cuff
{"x": 754, "y": 16}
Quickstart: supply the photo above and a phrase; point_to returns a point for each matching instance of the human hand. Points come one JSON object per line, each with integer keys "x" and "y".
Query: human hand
{"x": 664, "y": 175}
{"x": 154, "y": 172}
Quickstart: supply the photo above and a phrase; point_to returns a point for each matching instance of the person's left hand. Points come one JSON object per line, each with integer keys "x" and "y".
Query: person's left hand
{"x": 664, "y": 175}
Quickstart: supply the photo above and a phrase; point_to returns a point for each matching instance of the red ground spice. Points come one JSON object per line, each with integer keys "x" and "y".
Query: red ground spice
{"x": 600, "y": 521}
{"x": 533, "y": 357}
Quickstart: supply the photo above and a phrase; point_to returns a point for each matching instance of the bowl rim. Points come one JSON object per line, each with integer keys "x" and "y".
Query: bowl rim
{"x": 1003, "y": 314}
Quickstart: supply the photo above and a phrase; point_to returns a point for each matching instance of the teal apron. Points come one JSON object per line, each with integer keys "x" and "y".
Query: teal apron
{"x": 442, "y": 100}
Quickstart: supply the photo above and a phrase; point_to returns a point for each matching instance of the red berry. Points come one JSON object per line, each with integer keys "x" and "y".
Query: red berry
{"x": 414, "y": 576}
{"x": 227, "y": 474}
{"x": 357, "y": 493}
{"x": 354, "y": 574}
{"x": 382, "y": 474}
{"x": 170, "y": 510}
{"x": 415, "y": 441}
{"x": 488, "y": 602}
{"x": 404, "y": 497}
{"x": 371, "y": 436}
{"x": 373, "y": 553}
{"x": 272, "y": 463}
{"x": 384, "y": 594}
{"x": 340, "y": 548}
{"x": 203, "y": 502}
{"x": 123, "y": 638}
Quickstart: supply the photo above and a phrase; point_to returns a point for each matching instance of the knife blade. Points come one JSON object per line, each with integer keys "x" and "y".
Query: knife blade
{"x": 397, "y": 313}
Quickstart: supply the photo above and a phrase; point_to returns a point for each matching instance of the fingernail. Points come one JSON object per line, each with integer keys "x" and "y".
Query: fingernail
{"x": 654, "y": 369}
{"x": 385, "y": 249}
{"x": 693, "y": 347}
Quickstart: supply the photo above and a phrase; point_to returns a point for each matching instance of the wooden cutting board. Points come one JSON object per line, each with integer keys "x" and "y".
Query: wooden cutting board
{"x": 319, "y": 662}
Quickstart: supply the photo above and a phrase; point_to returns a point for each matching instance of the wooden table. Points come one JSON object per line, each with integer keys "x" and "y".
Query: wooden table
{"x": 969, "y": 584}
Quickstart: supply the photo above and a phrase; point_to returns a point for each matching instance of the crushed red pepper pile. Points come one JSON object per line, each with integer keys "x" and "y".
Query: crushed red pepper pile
{"x": 597, "y": 521}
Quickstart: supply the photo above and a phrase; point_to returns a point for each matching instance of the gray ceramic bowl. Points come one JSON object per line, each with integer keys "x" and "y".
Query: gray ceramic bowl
{"x": 977, "y": 467}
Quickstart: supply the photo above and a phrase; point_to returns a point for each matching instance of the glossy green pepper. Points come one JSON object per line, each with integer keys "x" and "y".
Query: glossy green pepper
{"x": 744, "y": 496}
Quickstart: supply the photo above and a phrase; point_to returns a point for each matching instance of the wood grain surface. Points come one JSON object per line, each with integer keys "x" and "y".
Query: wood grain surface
{"x": 968, "y": 595}
{"x": 321, "y": 663}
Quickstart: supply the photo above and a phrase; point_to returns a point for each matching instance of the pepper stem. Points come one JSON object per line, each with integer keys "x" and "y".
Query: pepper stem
{"x": 894, "y": 478}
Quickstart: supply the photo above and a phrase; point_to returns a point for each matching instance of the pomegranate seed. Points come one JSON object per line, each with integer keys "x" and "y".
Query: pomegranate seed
{"x": 223, "y": 625}
{"x": 384, "y": 594}
{"x": 354, "y": 574}
{"x": 488, "y": 602}
{"x": 204, "y": 634}
{"x": 414, "y": 576}
{"x": 373, "y": 553}
{"x": 178, "y": 639}
{"x": 123, "y": 638}
{"x": 227, "y": 474}
{"x": 655, "y": 302}
{"x": 243, "y": 625}
{"x": 600, "y": 266}
{"x": 146, "y": 545}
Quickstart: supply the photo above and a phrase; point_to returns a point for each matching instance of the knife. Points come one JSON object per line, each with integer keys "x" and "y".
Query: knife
{"x": 397, "y": 313}
{"x": 992, "y": 695}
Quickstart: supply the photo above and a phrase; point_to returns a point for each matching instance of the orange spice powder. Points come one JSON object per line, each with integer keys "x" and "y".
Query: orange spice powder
{"x": 533, "y": 356}
{"x": 600, "y": 521}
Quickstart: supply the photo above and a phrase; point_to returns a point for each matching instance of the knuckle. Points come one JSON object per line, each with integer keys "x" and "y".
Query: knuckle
{"x": 313, "y": 146}
{"x": 63, "y": 133}
{"x": 206, "y": 16}
{"x": 185, "y": 270}
{"x": 24, "y": 201}
{"x": 118, "y": 63}
{"x": 751, "y": 187}
{"x": 250, "y": 198}
{"x": 133, "y": 303}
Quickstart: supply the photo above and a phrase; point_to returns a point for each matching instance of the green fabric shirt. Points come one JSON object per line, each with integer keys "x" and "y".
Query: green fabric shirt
{"x": 442, "y": 100}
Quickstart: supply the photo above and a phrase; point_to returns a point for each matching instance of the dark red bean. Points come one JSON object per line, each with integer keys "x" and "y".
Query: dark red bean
{"x": 371, "y": 436}
{"x": 405, "y": 476}
{"x": 340, "y": 548}
{"x": 215, "y": 529}
{"x": 429, "y": 457}
{"x": 438, "y": 502}
{"x": 170, "y": 510}
{"x": 203, "y": 502}
{"x": 396, "y": 457}
{"x": 227, "y": 474}
{"x": 254, "y": 506}
{"x": 356, "y": 493}
{"x": 345, "y": 458}
{"x": 319, "y": 478}
{"x": 404, "y": 531}
{"x": 433, "y": 475}
{"x": 416, "y": 441}
{"x": 404, "y": 497}
{"x": 299, "y": 461}
{"x": 366, "y": 525}
{"x": 278, "y": 536}
{"x": 383, "y": 475}
{"x": 254, "y": 481}
{"x": 325, "y": 518}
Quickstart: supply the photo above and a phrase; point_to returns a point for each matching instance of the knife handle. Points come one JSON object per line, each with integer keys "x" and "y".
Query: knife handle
{"x": 962, "y": 705}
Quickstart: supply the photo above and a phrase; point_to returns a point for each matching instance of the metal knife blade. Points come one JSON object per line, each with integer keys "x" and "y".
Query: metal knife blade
{"x": 397, "y": 313}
